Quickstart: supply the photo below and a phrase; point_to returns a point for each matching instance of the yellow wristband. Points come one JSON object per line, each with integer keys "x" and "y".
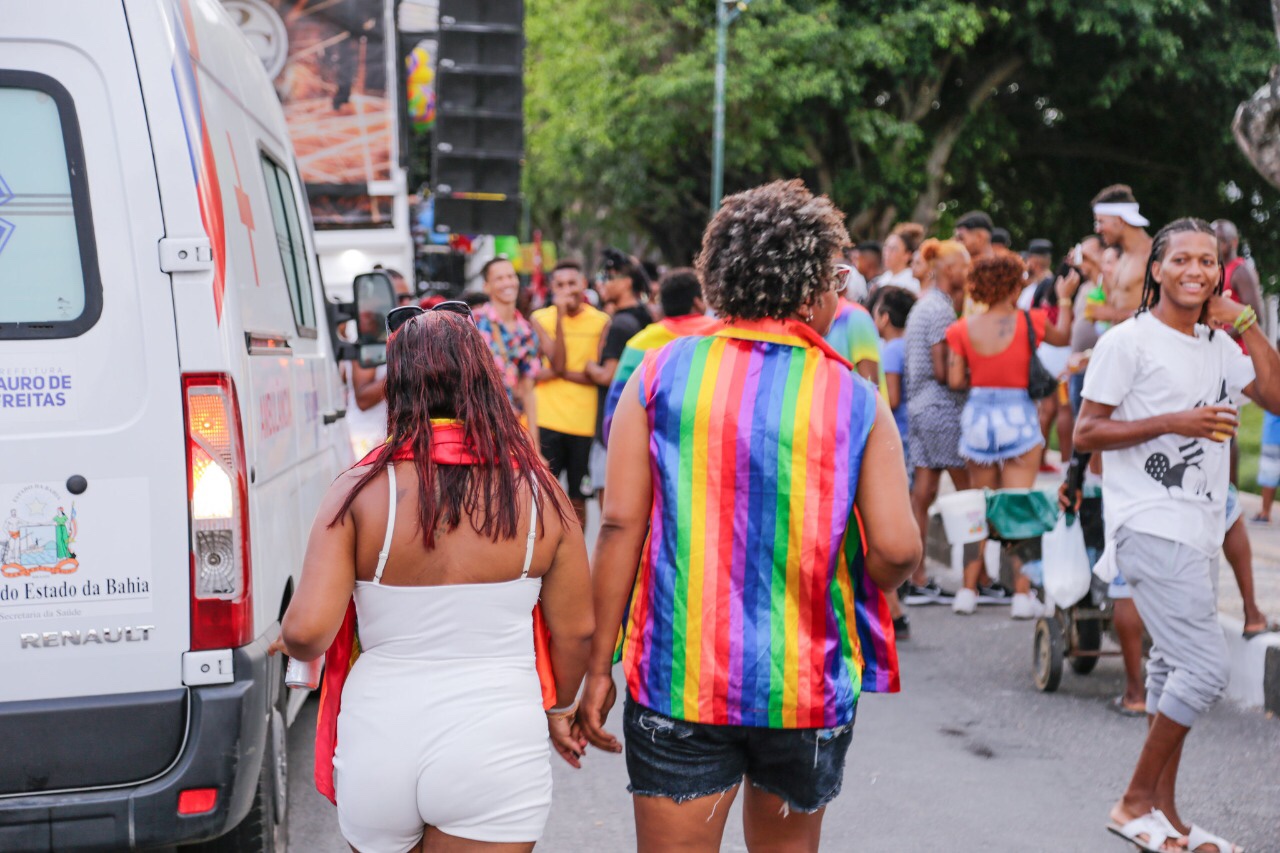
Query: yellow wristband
{"x": 1247, "y": 318}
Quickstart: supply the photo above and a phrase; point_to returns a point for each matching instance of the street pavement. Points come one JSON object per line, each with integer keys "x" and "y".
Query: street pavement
{"x": 968, "y": 757}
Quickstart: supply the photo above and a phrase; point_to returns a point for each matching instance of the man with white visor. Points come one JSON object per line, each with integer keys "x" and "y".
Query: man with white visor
{"x": 1119, "y": 223}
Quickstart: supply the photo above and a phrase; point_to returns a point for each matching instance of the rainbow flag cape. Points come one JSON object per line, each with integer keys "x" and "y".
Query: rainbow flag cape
{"x": 651, "y": 337}
{"x": 752, "y": 605}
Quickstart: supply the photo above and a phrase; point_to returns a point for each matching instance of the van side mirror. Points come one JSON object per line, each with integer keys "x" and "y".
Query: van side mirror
{"x": 375, "y": 297}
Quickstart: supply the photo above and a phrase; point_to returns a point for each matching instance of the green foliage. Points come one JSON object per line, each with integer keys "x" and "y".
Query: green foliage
{"x": 898, "y": 109}
{"x": 1250, "y": 438}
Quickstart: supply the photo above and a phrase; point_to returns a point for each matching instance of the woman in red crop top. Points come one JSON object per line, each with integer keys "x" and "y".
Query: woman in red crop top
{"x": 991, "y": 357}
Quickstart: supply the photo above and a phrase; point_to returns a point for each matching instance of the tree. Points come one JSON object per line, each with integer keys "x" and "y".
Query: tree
{"x": 895, "y": 108}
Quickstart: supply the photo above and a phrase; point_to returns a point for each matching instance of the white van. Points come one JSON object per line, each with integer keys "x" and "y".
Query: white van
{"x": 170, "y": 416}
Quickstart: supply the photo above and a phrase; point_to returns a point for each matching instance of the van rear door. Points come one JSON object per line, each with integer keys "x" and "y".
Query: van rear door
{"x": 94, "y": 553}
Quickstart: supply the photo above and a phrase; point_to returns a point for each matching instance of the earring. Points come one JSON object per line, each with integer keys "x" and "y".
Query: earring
{"x": 809, "y": 319}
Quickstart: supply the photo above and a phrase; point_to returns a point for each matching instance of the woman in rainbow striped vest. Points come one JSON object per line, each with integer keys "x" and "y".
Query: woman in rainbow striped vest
{"x": 765, "y": 510}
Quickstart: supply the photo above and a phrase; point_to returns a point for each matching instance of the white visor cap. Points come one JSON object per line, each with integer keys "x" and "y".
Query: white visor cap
{"x": 1126, "y": 210}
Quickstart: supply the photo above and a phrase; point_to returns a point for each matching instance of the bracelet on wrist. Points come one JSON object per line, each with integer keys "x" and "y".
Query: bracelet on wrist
{"x": 566, "y": 711}
{"x": 1247, "y": 318}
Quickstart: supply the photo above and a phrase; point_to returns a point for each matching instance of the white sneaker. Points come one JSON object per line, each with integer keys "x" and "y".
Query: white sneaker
{"x": 966, "y": 601}
{"x": 1025, "y": 606}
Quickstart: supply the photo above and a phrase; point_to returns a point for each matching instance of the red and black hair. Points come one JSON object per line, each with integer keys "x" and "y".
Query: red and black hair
{"x": 438, "y": 366}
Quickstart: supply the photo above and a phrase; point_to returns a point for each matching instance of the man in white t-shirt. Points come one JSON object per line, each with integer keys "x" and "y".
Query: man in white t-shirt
{"x": 1160, "y": 402}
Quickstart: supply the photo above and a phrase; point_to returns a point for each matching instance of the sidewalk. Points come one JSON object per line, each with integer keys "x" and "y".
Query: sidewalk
{"x": 1265, "y": 539}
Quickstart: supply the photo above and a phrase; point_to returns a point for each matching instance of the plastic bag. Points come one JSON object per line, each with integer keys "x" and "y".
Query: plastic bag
{"x": 1066, "y": 562}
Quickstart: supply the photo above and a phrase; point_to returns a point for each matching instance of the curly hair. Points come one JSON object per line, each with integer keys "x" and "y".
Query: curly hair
{"x": 769, "y": 250}
{"x": 994, "y": 280}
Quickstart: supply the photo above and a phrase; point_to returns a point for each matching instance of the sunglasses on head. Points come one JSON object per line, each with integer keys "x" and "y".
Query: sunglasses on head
{"x": 397, "y": 317}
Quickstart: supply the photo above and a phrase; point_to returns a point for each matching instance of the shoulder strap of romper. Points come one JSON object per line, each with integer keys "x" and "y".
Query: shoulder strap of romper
{"x": 391, "y": 524}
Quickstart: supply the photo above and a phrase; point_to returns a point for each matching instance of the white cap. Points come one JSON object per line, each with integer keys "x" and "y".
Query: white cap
{"x": 1126, "y": 210}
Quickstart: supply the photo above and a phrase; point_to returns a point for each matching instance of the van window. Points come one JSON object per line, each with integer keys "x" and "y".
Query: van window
{"x": 293, "y": 252}
{"x": 49, "y": 284}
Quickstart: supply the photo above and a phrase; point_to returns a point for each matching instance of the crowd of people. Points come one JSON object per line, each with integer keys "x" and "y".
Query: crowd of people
{"x": 773, "y": 427}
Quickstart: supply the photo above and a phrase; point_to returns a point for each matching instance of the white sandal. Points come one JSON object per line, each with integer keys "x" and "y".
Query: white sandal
{"x": 1154, "y": 825}
{"x": 1198, "y": 837}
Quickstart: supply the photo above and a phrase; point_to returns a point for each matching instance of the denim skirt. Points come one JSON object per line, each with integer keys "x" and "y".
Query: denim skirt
{"x": 998, "y": 424}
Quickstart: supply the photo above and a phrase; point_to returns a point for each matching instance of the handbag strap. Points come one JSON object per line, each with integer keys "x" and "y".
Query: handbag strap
{"x": 1031, "y": 331}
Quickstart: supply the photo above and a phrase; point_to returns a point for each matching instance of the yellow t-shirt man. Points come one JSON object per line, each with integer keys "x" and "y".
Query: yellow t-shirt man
{"x": 565, "y": 406}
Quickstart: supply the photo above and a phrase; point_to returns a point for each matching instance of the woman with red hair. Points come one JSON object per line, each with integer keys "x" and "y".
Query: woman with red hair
{"x": 991, "y": 354}
{"x": 447, "y": 537}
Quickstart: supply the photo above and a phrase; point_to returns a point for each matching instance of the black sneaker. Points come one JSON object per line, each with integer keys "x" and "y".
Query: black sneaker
{"x": 996, "y": 593}
{"x": 902, "y": 628}
{"x": 938, "y": 592}
{"x": 930, "y": 593}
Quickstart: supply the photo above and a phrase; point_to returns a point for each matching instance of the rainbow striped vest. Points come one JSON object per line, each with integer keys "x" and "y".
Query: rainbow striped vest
{"x": 751, "y": 605}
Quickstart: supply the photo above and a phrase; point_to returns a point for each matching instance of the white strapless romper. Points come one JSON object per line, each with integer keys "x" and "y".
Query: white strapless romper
{"x": 442, "y": 721}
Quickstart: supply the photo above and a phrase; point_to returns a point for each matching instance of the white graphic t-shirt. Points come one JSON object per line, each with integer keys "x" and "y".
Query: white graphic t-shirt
{"x": 1173, "y": 487}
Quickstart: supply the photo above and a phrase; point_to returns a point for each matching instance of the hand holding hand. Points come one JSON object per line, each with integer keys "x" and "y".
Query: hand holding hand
{"x": 1217, "y": 423}
{"x": 598, "y": 697}
{"x": 566, "y": 740}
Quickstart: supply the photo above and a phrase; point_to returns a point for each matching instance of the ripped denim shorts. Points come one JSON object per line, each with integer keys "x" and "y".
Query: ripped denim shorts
{"x": 998, "y": 424}
{"x": 683, "y": 761}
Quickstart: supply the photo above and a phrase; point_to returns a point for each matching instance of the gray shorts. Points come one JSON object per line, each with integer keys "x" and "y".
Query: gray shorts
{"x": 597, "y": 466}
{"x": 1175, "y": 588}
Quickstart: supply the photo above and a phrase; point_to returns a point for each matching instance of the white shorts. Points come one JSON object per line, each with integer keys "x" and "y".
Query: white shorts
{"x": 1269, "y": 466}
{"x": 467, "y": 761}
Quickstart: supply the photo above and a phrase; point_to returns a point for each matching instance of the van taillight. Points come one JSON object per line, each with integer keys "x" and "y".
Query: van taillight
{"x": 217, "y": 497}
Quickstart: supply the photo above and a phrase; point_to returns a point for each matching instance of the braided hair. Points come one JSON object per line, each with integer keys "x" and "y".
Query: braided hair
{"x": 1151, "y": 287}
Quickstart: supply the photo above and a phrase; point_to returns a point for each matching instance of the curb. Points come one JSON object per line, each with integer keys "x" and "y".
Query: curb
{"x": 1255, "y": 667}
{"x": 1271, "y": 681}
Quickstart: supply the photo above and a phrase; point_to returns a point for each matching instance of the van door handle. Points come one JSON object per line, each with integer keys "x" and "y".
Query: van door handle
{"x": 334, "y": 416}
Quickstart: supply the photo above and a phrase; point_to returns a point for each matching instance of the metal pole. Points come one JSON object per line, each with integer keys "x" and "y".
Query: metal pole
{"x": 717, "y": 133}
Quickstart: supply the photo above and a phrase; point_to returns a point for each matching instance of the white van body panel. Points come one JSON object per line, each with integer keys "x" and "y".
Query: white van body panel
{"x": 121, "y": 426}
{"x": 284, "y": 370}
{"x": 183, "y": 140}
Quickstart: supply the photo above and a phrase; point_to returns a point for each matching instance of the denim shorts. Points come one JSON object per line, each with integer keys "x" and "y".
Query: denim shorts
{"x": 998, "y": 424}
{"x": 1233, "y": 506}
{"x": 683, "y": 761}
{"x": 1075, "y": 392}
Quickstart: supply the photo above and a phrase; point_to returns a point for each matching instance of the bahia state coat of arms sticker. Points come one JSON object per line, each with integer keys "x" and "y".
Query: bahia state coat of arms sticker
{"x": 38, "y": 534}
